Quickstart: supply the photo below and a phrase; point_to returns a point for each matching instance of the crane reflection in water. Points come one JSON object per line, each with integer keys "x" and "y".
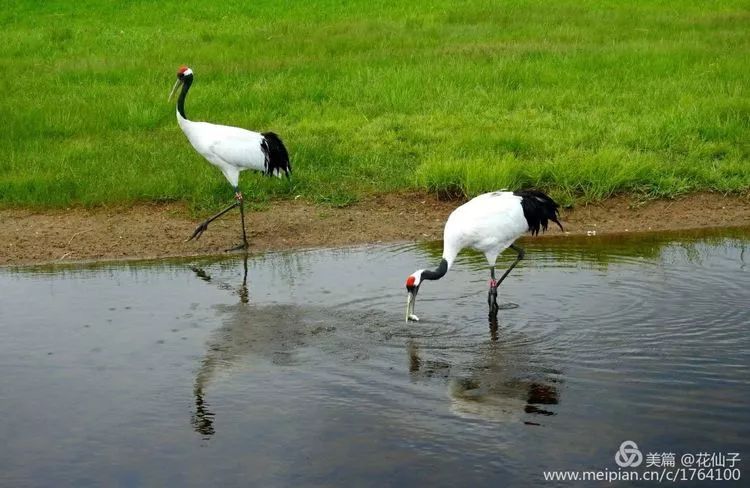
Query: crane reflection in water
{"x": 203, "y": 418}
{"x": 496, "y": 375}
{"x": 268, "y": 332}
{"x": 498, "y": 384}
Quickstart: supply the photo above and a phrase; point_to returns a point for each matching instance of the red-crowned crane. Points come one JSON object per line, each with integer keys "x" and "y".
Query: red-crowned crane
{"x": 232, "y": 150}
{"x": 489, "y": 223}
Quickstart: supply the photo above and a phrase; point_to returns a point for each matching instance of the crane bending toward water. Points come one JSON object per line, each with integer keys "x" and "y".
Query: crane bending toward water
{"x": 489, "y": 223}
{"x": 232, "y": 150}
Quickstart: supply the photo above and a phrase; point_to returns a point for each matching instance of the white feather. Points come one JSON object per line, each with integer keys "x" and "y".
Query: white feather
{"x": 231, "y": 149}
{"x": 488, "y": 223}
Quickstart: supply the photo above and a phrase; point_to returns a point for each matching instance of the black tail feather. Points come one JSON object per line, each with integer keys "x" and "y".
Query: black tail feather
{"x": 538, "y": 208}
{"x": 277, "y": 157}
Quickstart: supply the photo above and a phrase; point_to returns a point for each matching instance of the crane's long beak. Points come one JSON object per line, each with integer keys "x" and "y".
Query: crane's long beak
{"x": 411, "y": 299}
{"x": 174, "y": 89}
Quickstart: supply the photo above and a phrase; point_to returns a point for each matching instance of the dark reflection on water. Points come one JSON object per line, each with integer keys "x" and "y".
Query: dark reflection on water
{"x": 203, "y": 418}
{"x": 498, "y": 384}
{"x": 298, "y": 368}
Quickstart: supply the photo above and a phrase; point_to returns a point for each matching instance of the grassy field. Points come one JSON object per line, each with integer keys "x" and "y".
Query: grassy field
{"x": 582, "y": 98}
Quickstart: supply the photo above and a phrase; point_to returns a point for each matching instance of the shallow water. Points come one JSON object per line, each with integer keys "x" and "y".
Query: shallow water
{"x": 175, "y": 373}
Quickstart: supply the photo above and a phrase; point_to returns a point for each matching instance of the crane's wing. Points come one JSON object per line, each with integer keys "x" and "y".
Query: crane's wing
{"x": 239, "y": 148}
{"x": 488, "y": 223}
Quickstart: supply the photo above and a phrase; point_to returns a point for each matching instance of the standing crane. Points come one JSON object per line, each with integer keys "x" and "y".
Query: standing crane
{"x": 232, "y": 150}
{"x": 489, "y": 223}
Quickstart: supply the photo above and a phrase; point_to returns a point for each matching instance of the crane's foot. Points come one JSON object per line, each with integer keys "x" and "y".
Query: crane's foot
{"x": 240, "y": 247}
{"x": 198, "y": 232}
{"x": 204, "y": 225}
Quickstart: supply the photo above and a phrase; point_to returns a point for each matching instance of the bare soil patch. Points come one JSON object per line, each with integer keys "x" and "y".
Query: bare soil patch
{"x": 159, "y": 230}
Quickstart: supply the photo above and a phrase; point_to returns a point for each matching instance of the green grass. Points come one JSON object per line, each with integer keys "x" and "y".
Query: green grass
{"x": 583, "y": 98}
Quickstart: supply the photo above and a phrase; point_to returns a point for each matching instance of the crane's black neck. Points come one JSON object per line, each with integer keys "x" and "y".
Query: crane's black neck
{"x": 186, "y": 82}
{"x": 438, "y": 273}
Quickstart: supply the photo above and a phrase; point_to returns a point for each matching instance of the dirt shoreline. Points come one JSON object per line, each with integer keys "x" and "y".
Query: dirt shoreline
{"x": 159, "y": 230}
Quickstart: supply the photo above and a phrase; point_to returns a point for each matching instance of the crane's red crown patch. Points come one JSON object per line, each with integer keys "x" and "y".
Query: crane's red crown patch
{"x": 410, "y": 281}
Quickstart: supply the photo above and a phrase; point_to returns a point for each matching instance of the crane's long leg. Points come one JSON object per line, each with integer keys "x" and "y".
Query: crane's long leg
{"x": 242, "y": 217}
{"x": 241, "y": 201}
{"x": 492, "y": 295}
{"x": 204, "y": 225}
{"x": 521, "y": 254}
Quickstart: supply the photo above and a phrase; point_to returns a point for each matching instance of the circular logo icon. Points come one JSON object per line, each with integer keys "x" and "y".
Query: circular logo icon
{"x": 628, "y": 455}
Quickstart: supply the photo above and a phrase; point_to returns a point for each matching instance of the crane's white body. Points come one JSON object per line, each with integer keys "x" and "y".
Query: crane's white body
{"x": 488, "y": 223}
{"x": 231, "y": 149}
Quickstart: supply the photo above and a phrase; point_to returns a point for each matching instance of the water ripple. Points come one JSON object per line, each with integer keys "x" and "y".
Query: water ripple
{"x": 304, "y": 361}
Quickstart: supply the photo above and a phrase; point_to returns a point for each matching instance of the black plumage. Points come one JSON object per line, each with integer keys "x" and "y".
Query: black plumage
{"x": 539, "y": 209}
{"x": 277, "y": 157}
